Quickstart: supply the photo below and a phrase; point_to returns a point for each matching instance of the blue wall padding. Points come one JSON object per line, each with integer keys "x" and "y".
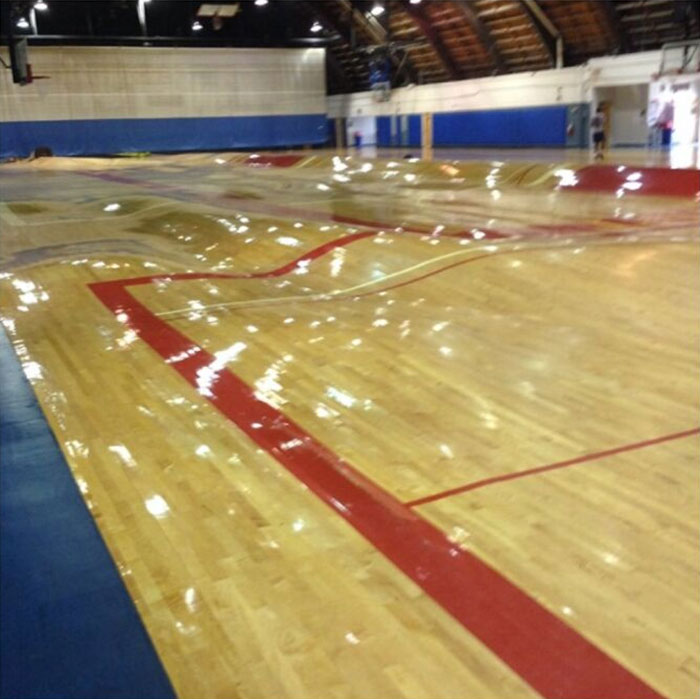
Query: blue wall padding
{"x": 330, "y": 132}
{"x": 526, "y": 126}
{"x": 69, "y": 628}
{"x": 384, "y": 131}
{"x": 108, "y": 136}
{"x": 414, "y": 129}
{"x": 578, "y": 119}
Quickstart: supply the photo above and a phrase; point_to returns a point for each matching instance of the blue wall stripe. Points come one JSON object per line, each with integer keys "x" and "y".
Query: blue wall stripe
{"x": 414, "y": 130}
{"x": 330, "y": 132}
{"x": 527, "y": 126}
{"x": 383, "y": 131}
{"x": 108, "y": 136}
{"x": 523, "y": 126}
{"x": 69, "y": 628}
{"x": 577, "y": 123}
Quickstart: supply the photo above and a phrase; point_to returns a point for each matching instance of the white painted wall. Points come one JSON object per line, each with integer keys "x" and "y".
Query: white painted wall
{"x": 633, "y": 68}
{"x": 546, "y": 87}
{"x": 134, "y": 82}
{"x": 628, "y": 113}
{"x": 499, "y": 92}
{"x": 365, "y": 125}
{"x": 686, "y": 121}
{"x": 625, "y": 69}
{"x": 623, "y": 80}
{"x": 684, "y": 93}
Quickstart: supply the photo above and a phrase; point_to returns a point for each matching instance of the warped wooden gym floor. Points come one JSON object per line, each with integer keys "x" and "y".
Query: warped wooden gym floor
{"x": 676, "y": 156}
{"x": 373, "y": 428}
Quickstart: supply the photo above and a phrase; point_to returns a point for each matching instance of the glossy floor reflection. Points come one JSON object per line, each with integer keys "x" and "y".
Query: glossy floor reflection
{"x": 676, "y": 156}
{"x": 389, "y": 428}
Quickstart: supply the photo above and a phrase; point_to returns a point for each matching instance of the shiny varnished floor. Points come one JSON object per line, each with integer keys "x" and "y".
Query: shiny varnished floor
{"x": 306, "y": 398}
{"x": 677, "y": 156}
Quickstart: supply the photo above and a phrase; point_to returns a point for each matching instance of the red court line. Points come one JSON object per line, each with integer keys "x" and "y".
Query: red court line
{"x": 307, "y": 257}
{"x": 644, "y": 181}
{"x": 313, "y": 254}
{"x": 265, "y": 208}
{"x": 551, "y": 467}
{"x": 548, "y": 654}
{"x": 124, "y": 179}
{"x": 273, "y": 160}
{"x": 312, "y": 299}
{"x": 653, "y": 181}
{"x": 284, "y": 211}
{"x": 339, "y": 297}
{"x": 488, "y": 233}
{"x": 277, "y": 272}
{"x": 352, "y": 221}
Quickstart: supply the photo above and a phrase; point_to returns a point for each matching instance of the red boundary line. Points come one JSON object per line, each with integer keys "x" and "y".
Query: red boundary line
{"x": 253, "y": 206}
{"x": 644, "y": 181}
{"x": 653, "y": 181}
{"x": 550, "y": 467}
{"x": 256, "y": 207}
{"x": 545, "y": 652}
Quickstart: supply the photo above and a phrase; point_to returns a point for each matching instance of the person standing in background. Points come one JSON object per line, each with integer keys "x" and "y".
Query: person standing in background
{"x": 664, "y": 122}
{"x": 654, "y": 139}
{"x": 598, "y": 132}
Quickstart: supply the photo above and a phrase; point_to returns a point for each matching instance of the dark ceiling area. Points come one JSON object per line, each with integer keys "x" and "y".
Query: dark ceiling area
{"x": 423, "y": 41}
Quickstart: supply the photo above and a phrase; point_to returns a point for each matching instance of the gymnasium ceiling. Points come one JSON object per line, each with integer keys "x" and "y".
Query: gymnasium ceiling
{"x": 425, "y": 41}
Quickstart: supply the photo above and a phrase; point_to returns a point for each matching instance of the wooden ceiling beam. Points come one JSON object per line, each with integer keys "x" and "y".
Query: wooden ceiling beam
{"x": 549, "y": 35}
{"x": 482, "y": 31}
{"x": 418, "y": 15}
{"x": 334, "y": 65}
{"x": 373, "y": 29}
{"x": 340, "y": 75}
{"x": 615, "y": 26}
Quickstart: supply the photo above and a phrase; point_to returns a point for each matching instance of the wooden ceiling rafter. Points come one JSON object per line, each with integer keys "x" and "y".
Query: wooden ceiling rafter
{"x": 464, "y": 38}
{"x": 377, "y": 34}
{"x": 483, "y": 33}
{"x": 544, "y": 28}
{"x": 615, "y": 27}
{"x": 319, "y": 10}
{"x": 422, "y": 21}
{"x": 338, "y": 70}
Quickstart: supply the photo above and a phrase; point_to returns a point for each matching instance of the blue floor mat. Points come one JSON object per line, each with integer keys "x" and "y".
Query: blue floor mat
{"x": 69, "y": 628}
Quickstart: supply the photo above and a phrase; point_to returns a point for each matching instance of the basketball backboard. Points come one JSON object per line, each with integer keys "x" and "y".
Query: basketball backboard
{"x": 21, "y": 70}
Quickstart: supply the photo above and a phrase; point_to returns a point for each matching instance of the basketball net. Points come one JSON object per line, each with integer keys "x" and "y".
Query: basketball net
{"x": 381, "y": 92}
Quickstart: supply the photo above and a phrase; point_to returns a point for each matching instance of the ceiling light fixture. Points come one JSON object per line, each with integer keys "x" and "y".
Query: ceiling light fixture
{"x": 377, "y": 10}
{"x": 316, "y": 27}
{"x": 41, "y": 6}
{"x": 415, "y": 2}
{"x": 261, "y": 3}
{"x": 196, "y": 26}
{"x": 22, "y": 23}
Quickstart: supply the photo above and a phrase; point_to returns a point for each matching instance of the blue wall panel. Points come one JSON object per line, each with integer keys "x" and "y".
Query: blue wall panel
{"x": 384, "y": 131}
{"x": 577, "y": 119}
{"x": 107, "y": 136}
{"x": 414, "y": 129}
{"x": 330, "y": 132}
{"x": 526, "y": 126}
